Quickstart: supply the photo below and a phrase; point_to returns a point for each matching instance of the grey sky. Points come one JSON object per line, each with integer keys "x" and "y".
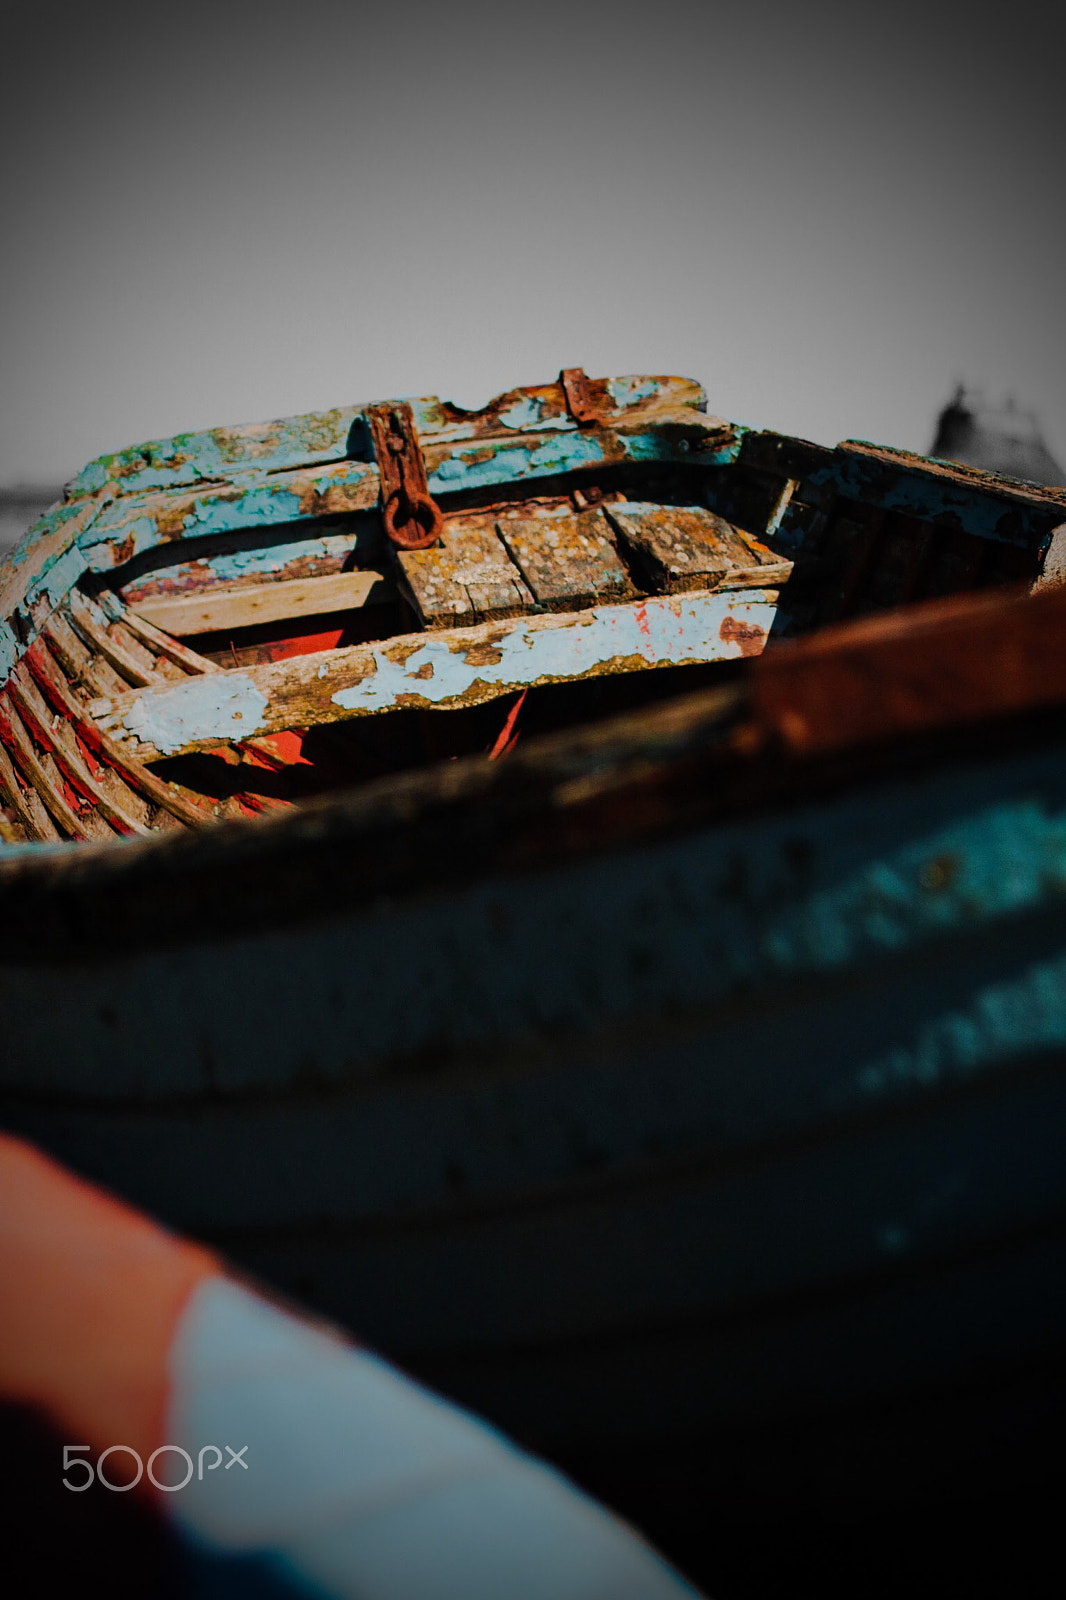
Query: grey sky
{"x": 827, "y": 215}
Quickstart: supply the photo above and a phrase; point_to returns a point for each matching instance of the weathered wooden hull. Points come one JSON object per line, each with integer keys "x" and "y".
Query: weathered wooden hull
{"x": 673, "y": 1076}
{"x": 747, "y": 1116}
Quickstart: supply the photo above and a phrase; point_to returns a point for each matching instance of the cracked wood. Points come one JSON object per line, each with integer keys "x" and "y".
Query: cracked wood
{"x": 444, "y": 670}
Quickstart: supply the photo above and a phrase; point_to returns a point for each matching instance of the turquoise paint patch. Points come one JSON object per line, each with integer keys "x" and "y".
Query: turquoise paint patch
{"x": 931, "y": 499}
{"x": 141, "y": 531}
{"x": 215, "y": 706}
{"x": 627, "y": 391}
{"x": 9, "y": 649}
{"x": 663, "y": 630}
{"x": 260, "y": 507}
{"x": 456, "y": 472}
{"x": 46, "y": 524}
{"x": 992, "y": 863}
{"x": 259, "y": 504}
{"x": 522, "y": 414}
{"x": 57, "y": 580}
{"x": 188, "y": 458}
{"x": 241, "y": 562}
{"x": 1017, "y": 1017}
{"x": 563, "y": 453}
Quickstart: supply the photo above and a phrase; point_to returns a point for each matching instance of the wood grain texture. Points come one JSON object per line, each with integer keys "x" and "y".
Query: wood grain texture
{"x": 56, "y": 691}
{"x": 689, "y": 547}
{"x": 567, "y": 558}
{"x": 27, "y": 815}
{"x": 446, "y": 669}
{"x": 87, "y": 672}
{"x": 92, "y": 626}
{"x": 55, "y": 734}
{"x": 468, "y": 577}
{"x": 39, "y": 770}
{"x": 221, "y": 609}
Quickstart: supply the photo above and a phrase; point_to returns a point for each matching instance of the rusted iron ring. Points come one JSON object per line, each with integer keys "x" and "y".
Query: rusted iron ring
{"x": 412, "y": 520}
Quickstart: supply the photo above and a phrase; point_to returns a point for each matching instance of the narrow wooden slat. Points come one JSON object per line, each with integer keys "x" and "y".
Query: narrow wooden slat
{"x": 33, "y": 819}
{"x": 98, "y": 639}
{"x": 218, "y": 610}
{"x": 448, "y": 669}
{"x": 260, "y": 751}
{"x": 57, "y": 692}
{"x": 127, "y": 641}
{"x": 159, "y": 642}
{"x": 118, "y": 791}
{"x": 568, "y": 559}
{"x": 121, "y": 794}
{"x": 78, "y": 661}
{"x": 61, "y": 742}
{"x": 767, "y": 566}
{"x": 468, "y": 577}
{"x": 45, "y": 782}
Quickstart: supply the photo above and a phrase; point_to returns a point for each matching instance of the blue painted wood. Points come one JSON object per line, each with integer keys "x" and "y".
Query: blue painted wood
{"x": 598, "y": 1137}
{"x": 796, "y": 1061}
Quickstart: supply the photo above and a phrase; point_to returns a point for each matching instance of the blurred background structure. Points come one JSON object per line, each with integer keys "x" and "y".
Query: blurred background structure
{"x": 1000, "y": 438}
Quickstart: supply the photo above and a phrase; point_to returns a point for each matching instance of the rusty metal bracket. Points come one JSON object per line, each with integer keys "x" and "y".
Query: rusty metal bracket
{"x": 582, "y": 402}
{"x": 412, "y": 517}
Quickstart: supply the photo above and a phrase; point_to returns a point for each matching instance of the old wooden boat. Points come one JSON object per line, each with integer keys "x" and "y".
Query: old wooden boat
{"x": 212, "y": 626}
{"x": 689, "y": 1070}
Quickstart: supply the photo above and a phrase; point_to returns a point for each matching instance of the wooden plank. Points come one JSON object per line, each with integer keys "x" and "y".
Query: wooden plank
{"x": 27, "y": 807}
{"x": 688, "y": 547}
{"x": 83, "y": 668}
{"x": 447, "y": 669}
{"x": 50, "y": 538}
{"x": 94, "y": 633}
{"x": 155, "y": 639}
{"x": 54, "y": 733}
{"x": 137, "y": 522}
{"x": 56, "y": 691}
{"x": 41, "y": 772}
{"x": 467, "y": 577}
{"x": 636, "y": 435}
{"x": 567, "y": 558}
{"x": 216, "y": 610}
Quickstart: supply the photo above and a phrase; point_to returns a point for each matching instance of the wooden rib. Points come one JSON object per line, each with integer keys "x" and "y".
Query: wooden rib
{"x": 98, "y": 639}
{"x": 29, "y": 816}
{"x": 74, "y": 657}
{"x": 122, "y": 638}
{"x": 62, "y": 743}
{"x": 56, "y": 691}
{"x": 159, "y": 642}
{"x": 78, "y": 661}
{"x": 276, "y": 601}
{"x": 261, "y": 751}
{"x": 19, "y": 746}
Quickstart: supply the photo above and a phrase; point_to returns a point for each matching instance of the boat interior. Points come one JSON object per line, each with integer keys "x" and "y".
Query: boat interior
{"x": 225, "y": 624}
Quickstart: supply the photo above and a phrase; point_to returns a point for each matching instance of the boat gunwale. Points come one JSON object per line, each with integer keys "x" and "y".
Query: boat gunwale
{"x": 696, "y": 761}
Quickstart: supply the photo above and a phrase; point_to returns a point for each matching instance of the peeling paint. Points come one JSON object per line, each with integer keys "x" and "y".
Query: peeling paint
{"x": 223, "y": 706}
{"x": 524, "y": 413}
{"x": 133, "y": 525}
{"x": 666, "y": 630}
{"x": 219, "y": 452}
{"x": 626, "y": 391}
